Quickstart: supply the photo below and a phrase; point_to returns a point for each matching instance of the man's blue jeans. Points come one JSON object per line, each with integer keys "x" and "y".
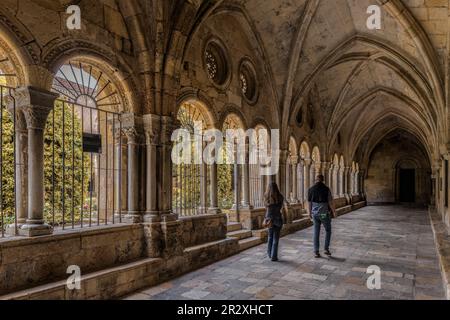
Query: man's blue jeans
{"x": 274, "y": 239}
{"x": 327, "y": 225}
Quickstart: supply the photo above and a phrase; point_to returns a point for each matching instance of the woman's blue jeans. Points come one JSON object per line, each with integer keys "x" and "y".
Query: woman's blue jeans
{"x": 327, "y": 225}
{"x": 274, "y": 240}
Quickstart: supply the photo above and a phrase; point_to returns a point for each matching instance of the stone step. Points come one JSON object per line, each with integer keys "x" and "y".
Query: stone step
{"x": 234, "y": 226}
{"x": 249, "y": 243}
{"x": 261, "y": 233}
{"x": 240, "y": 234}
{"x": 105, "y": 284}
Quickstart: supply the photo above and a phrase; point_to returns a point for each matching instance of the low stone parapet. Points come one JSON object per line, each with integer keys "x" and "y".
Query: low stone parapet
{"x": 442, "y": 241}
{"x": 27, "y": 262}
{"x": 203, "y": 229}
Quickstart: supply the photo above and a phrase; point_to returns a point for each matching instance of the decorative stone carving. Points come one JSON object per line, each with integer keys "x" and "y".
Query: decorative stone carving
{"x": 35, "y": 104}
{"x": 132, "y": 127}
{"x": 169, "y": 125}
{"x": 152, "y": 129}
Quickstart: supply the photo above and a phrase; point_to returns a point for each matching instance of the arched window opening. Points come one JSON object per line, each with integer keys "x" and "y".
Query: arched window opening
{"x": 341, "y": 184}
{"x": 357, "y": 178}
{"x": 291, "y": 172}
{"x": 316, "y": 165}
{"x": 84, "y": 149}
{"x": 352, "y": 178}
{"x": 229, "y": 173}
{"x": 12, "y": 171}
{"x": 335, "y": 176}
{"x": 190, "y": 178}
{"x": 258, "y": 182}
{"x": 304, "y": 171}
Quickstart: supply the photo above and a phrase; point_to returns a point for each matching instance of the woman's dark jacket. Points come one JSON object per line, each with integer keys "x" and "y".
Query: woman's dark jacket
{"x": 274, "y": 213}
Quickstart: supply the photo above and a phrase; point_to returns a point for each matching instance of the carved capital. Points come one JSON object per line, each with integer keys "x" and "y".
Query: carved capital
{"x": 169, "y": 125}
{"x": 132, "y": 127}
{"x": 152, "y": 128}
{"x": 133, "y": 136}
{"x": 36, "y": 117}
{"x": 284, "y": 155}
{"x": 35, "y": 104}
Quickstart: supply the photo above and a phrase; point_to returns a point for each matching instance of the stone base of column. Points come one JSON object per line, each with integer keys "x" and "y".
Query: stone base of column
{"x": 242, "y": 206}
{"x": 202, "y": 210}
{"x": 11, "y": 229}
{"x": 133, "y": 217}
{"x": 172, "y": 238}
{"x": 152, "y": 236}
{"x": 35, "y": 230}
{"x": 168, "y": 216}
{"x": 252, "y": 219}
{"x": 152, "y": 217}
{"x": 214, "y": 211}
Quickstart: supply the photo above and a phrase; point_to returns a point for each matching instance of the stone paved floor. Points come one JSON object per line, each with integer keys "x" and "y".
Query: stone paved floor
{"x": 397, "y": 239}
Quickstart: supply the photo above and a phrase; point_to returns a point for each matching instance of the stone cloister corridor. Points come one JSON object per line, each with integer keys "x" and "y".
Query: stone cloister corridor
{"x": 138, "y": 139}
{"x": 404, "y": 250}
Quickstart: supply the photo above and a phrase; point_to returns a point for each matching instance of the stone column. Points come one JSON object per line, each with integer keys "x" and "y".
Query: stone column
{"x": 347, "y": 179}
{"x": 332, "y": 179}
{"x": 294, "y": 161}
{"x": 203, "y": 188}
{"x": 214, "y": 202}
{"x": 326, "y": 173}
{"x": 355, "y": 183}
{"x": 361, "y": 191}
{"x": 132, "y": 127}
{"x": 120, "y": 165}
{"x": 151, "y": 130}
{"x": 245, "y": 203}
{"x": 341, "y": 182}
{"x": 36, "y": 105}
{"x": 434, "y": 184}
{"x": 306, "y": 176}
{"x": 287, "y": 182}
{"x": 281, "y": 176}
{"x": 168, "y": 126}
{"x": 21, "y": 143}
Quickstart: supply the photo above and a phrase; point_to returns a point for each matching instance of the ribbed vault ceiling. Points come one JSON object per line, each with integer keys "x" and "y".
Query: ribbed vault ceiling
{"x": 369, "y": 82}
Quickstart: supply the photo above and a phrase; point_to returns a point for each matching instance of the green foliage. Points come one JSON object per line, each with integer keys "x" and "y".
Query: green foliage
{"x": 7, "y": 167}
{"x": 74, "y": 162}
{"x": 186, "y": 186}
{"x": 68, "y": 183}
{"x": 225, "y": 185}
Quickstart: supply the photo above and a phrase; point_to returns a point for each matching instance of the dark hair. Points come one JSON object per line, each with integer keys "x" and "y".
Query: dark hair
{"x": 321, "y": 178}
{"x": 273, "y": 195}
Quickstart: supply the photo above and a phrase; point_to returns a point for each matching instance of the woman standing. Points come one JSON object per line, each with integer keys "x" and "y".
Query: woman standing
{"x": 274, "y": 201}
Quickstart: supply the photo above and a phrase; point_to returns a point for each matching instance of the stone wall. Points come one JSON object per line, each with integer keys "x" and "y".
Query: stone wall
{"x": 30, "y": 262}
{"x": 388, "y": 157}
{"x": 202, "y": 229}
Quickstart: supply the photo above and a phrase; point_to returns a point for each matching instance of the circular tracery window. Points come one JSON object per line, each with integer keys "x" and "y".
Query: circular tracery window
{"x": 248, "y": 82}
{"x": 215, "y": 63}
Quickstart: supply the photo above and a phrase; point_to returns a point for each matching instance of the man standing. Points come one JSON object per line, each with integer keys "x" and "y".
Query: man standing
{"x": 321, "y": 211}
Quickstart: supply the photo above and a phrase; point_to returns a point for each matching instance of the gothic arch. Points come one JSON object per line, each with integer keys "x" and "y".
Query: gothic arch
{"x": 231, "y": 110}
{"x": 113, "y": 69}
{"x": 305, "y": 152}
{"x": 204, "y": 108}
